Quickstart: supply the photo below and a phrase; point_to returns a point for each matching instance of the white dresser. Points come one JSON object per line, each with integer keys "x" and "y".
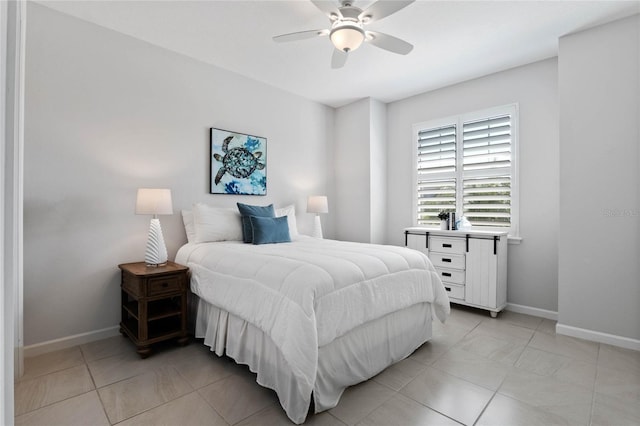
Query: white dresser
{"x": 471, "y": 264}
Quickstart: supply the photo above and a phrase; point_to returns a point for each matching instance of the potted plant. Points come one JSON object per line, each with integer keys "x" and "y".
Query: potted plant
{"x": 444, "y": 218}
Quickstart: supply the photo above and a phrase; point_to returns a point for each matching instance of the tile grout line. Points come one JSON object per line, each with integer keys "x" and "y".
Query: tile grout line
{"x": 42, "y": 376}
{"x": 95, "y": 386}
{"x": 104, "y": 409}
{"x": 209, "y": 404}
{"x": 595, "y": 383}
{"x": 86, "y": 365}
{"x": 395, "y": 392}
{"x": 485, "y": 407}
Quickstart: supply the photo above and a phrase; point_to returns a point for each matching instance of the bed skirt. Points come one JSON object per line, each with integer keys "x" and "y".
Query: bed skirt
{"x": 348, "y": 360}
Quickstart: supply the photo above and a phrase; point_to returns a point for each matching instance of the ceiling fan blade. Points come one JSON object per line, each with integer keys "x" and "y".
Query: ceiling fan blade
{"x": 300, "y": 35}
{"x": 382, "y": 9}
{"x": 338, "y": 59}
{"x": 387, "y": 42}
{"x": 329, "y": 8}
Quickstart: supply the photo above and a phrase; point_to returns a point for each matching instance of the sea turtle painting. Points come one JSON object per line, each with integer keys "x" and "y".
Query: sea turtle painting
{"x": 240, "y": 156}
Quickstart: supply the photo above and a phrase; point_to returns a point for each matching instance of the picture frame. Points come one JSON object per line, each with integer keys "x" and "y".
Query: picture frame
{"x": 238, "y": 163}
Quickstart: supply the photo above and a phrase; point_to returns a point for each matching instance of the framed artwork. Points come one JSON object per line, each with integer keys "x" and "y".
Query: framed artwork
{"x": 238, "y": 163}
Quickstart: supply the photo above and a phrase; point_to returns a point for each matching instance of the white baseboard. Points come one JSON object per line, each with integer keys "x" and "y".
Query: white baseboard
{"x": 536, "y": 312}
{"x": 70, "y": 341}
{"x": 597, "y": 336}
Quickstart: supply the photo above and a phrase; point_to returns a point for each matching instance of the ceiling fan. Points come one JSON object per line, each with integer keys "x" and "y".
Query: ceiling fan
{"x": 347, "y": 31}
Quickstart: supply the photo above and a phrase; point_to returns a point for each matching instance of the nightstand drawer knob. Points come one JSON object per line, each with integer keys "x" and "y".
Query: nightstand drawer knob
{"x": 446, "y": 274}
{"x": 165, "y": 285}
{"x": 444, "y": 259}
{"x": 446, "y": 245}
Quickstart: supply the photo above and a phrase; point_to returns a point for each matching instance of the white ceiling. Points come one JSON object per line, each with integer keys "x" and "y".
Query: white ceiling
{"x": 453, "y": 41}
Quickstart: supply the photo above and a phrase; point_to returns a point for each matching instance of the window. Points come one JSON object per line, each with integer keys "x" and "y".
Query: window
{"x": 467, "y": 164}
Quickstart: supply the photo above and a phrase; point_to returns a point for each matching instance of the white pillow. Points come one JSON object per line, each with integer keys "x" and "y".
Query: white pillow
{"x": 216, "y": 224}
{"x": 187, "y": 219}
{"x": 290, "y": 212}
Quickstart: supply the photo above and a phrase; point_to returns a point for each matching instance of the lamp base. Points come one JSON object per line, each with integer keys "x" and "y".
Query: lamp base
{"x": 156, "y": 253}
{"x": 317, "y": 228}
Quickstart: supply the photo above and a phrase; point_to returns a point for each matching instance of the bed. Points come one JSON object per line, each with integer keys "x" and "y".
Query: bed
{"x": 311, "y": 317}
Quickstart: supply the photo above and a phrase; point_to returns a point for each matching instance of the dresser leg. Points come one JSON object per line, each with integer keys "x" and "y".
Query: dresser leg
{"x": 182, "y": 341}
{"x": 493, "y": 314}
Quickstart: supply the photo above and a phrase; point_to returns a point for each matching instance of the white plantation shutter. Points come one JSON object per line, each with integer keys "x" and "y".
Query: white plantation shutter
{"x": 437, "y": 150}
{"x": 486, "y": 159}
{"x": 466, "y": 165}
{"x": 436, "y": 172}
{"x": 433, "y": 197}
{"x": 487, "y": 201}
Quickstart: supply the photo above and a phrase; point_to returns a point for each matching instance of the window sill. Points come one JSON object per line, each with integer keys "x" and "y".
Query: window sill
{"x": 514, "y": 240}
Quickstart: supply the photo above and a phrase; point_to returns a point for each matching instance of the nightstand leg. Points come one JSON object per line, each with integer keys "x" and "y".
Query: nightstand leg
{"x": 493, "y": 314}
{"x": 182, "y": 341}
{"x": 144, "y": 351}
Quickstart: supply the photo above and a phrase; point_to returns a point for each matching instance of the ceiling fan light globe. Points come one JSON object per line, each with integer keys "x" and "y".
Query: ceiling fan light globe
{"x": 347, "y": 37}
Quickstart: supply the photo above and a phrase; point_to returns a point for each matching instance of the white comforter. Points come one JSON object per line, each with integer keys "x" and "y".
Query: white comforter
{"x": 307, "y": 293}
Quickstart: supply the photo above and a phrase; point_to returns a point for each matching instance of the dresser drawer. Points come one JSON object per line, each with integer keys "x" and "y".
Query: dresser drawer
{"x": 163, "y": 285}
{"x": 455, "y": 291}
{"x": 449, "y": 261}
{"x": 448, "y": 245}
{"x": 451, "y": 276}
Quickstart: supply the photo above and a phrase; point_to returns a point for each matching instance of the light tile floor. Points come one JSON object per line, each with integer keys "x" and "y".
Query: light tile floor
{"x": 513, "y": 370}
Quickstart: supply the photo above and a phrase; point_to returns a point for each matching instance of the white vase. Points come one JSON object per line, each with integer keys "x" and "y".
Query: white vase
{"x": 444, "y": 225}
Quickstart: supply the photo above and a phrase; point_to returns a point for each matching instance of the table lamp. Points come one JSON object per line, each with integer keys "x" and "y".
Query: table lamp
{"x": 317, "y": 204}
{"x": 155, "y": 202}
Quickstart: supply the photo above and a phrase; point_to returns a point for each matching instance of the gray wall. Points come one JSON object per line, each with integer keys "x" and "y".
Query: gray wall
{"x": 106, "y": 114}
{"x": 599, "y": 241}
{"x": 532, "y": 272}
{"x": 360, "y": 167}
{"x": 378, "y": 171}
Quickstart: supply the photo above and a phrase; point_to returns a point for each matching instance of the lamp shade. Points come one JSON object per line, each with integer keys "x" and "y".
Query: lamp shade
{"x": 317, "y": 204}
{"x": 154, "y": 201}
{"x": 347, "y": 37}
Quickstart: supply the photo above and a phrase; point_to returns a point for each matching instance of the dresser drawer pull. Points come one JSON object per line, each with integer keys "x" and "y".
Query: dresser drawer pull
{"x": 444, "y": 259}
{"x": 446, "y": 274}
{"x": 448, "y": 288}
{"x": 165, "y": 285}
{"x": 446, "y": 245}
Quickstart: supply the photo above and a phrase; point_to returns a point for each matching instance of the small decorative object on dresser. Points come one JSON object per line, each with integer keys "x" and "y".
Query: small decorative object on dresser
{"x": 471, "y": 264}
{"x": 154, "y": 304}
{"x": 444, "y": 220}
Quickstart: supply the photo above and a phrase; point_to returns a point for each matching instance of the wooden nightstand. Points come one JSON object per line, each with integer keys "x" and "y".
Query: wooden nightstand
{"x": 154, "y": 304}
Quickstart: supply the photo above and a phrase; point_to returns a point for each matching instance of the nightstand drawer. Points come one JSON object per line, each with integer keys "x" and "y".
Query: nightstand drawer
{"x": 444, "y": 260}
{"x": 455, "y": 291}
{"x": 163, "y": 285}
{"x": 447, "y": 245}
{"x": 453, "y": 276}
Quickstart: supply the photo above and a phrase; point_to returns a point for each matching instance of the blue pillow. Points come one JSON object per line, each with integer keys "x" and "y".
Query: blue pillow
{"x": 269, "y": 230}
{"x": 259, "y": 211}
